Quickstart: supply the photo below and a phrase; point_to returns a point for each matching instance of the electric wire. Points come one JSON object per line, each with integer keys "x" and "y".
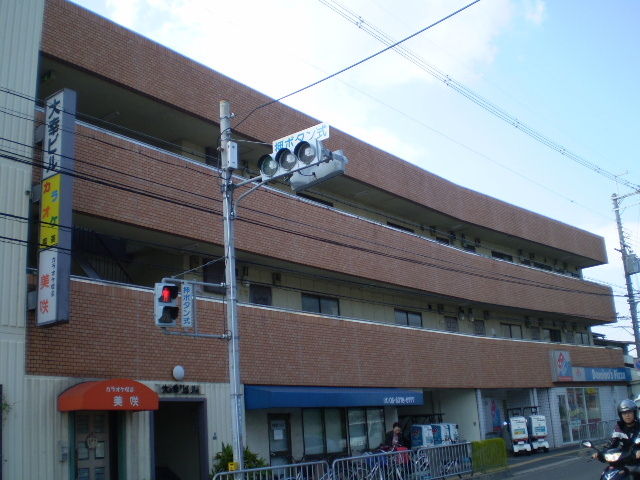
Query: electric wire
{"x": 470, "y": 94}
{"x": 155, "y": 158}
{"x": 129, "y": 189}
{"x": 353, "y": 65}
{"x": 209, "y": 198}
{"x": 217, "y": 200}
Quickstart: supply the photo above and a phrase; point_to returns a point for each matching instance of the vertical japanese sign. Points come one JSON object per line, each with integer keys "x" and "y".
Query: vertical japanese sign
{"x": 54, "y": 261}
{"x": 188, "y": 305}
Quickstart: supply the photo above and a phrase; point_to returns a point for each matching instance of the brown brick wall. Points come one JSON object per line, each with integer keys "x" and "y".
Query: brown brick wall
{"x": 126, "y": 58}
{"x": 276, "y": 226}
{"x": 111, "y": 334}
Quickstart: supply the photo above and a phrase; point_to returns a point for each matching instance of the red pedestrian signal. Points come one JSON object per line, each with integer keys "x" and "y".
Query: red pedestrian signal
{"x": 165, "y": 306}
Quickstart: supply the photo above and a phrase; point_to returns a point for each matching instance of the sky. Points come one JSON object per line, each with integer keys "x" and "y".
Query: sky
{"x": 567, "y": 70}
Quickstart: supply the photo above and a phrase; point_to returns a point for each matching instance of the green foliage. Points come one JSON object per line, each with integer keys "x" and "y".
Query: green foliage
{"x": 224, "y": 456}
{"x": 489, "y": 454}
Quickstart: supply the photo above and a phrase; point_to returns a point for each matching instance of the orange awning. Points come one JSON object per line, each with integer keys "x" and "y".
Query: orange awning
{"x": 113, "y": 394}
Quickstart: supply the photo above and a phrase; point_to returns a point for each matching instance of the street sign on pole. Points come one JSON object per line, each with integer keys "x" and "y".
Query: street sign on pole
{"x": 318, "y": 132}
{"x": 188, "y": 305}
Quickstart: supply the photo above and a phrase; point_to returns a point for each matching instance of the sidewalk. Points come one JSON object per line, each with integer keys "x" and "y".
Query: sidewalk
{"x": 514, "y": 463}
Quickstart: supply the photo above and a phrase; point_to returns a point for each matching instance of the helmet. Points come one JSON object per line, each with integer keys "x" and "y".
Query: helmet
{"x": 628, "y": 406}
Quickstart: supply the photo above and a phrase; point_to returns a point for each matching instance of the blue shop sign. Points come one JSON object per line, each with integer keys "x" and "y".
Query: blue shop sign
{"x": 595, "y": 374}
{"x": 274, "y": 396}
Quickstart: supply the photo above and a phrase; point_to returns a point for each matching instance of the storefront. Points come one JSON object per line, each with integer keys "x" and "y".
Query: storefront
{"x": 288, "y": 423}
{"x": 98, "y": 413}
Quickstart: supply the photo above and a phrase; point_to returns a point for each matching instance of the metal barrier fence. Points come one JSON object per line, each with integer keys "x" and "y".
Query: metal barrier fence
{"x": 595, "y": 432}
{"x": 296, "y": 471}
{"x": 428, "y": 463}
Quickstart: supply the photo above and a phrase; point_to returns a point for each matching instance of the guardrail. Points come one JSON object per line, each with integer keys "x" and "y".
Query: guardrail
{"x": 421, "y": 464}
{"x": 297, "y": 471}
{"x": 428, "y": 463}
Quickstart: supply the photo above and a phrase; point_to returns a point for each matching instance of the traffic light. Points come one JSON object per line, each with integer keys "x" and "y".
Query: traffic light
{"x": 165, "y": 304}
{"x": 308, "y": 177}
{"x": 324, "y": 164}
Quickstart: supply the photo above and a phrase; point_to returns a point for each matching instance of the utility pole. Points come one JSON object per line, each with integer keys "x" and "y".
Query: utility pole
{"x": 627, "y": 274}
{"x": 237, "y": 398}
{"x": 319, "y": 164}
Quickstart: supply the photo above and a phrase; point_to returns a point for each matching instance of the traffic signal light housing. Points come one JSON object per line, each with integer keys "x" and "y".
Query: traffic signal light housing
{"x": 165, "y": 303}
{"x": 324, "y": 164}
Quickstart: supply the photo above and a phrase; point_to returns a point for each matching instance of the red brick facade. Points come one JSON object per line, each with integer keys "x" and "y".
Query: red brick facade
{"x": 111, "y": 331}
{"x": 127, "y": 59}
{"x": 111, "y": 334}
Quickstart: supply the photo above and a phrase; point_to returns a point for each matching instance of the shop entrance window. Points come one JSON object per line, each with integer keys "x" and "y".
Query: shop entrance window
{"x": 579, "y": 411}
{"x": 338, "y": 431}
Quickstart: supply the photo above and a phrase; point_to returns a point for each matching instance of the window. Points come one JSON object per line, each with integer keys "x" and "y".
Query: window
{"x": 413, "y": 319}
{"x": 535, "y": 333}
{"x": 213, "y": 273}
{"x": 260, "y": 294}
{"x": 569, "y": 337}
{"x": 318, "y": 304}
{"x": 479, "y": 328}
{"x": 340, "y": 431}
{"x": 451, "y": 324}
{"x": 582, "y": 338}
{"x": 551, "y": 335}
{"x": 511, "y": 331}
{"x": 501, "y": 256}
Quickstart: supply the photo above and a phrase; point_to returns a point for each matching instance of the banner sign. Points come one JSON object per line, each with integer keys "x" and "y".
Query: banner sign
{"x": 595, "y": 374}
{"x": 563, "y": 371}
{"x": 56, "y": 208}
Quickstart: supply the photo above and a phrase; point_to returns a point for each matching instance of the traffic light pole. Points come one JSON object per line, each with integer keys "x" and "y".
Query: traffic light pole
{"x": 627, "y": 275}
{"x": 237, "y": 399}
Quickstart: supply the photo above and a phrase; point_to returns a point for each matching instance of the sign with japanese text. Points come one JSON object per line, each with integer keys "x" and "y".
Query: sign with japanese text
{"x": 50, "y": 211}
{"x": 188, "y": 305}
{"x": 47, "y": 286}
{"x": 54, "y": 261}
{"x": 113, "y": 394}
{"x": 319, "y": 132}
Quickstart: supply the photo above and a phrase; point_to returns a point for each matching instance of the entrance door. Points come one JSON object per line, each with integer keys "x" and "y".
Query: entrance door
{"x": 92, "y": 445}
{"x": 180, "y": 441}
{"x": 279, "y": 439}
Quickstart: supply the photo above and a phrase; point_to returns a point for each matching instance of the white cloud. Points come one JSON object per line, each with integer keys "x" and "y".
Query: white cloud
{"x": 535, "y": 11}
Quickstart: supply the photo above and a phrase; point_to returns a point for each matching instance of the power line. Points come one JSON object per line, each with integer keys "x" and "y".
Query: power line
{"x": 152, "y": 195}
{"x": 216, "y": 200}
{"x": 468, "y": 93}
{"x": 178, "y": 202}
{"x": 354, "y": 64}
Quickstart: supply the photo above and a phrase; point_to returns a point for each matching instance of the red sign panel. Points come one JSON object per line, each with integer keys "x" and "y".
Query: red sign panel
{"x": 113, "y": 394}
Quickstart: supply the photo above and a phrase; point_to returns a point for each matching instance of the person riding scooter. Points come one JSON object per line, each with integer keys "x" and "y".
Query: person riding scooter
{"x": 627, "y": 429}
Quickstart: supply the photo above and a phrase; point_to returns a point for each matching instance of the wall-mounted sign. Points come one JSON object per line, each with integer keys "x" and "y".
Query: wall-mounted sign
{"x": 563, "y": 371}
{"x": 179, "y": 388}
{"x": 54, "y": 262}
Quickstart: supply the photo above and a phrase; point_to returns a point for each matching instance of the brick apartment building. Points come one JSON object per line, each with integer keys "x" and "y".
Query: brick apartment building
{"x": 481, "y": 302}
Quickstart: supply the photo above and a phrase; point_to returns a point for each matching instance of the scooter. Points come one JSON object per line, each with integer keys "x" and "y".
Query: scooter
{"x": 618, "y": 462}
